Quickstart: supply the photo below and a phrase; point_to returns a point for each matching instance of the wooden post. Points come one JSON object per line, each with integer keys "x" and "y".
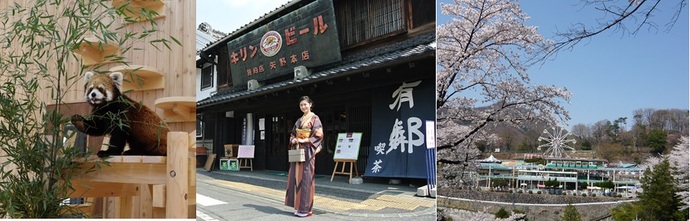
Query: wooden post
{"x": 177, "y": 176}
{"x": 191, "y": 170}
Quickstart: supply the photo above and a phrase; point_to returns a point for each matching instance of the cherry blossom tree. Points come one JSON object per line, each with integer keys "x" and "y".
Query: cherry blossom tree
{"x": 484, "y": 53}
{"x": 679, "y": 160}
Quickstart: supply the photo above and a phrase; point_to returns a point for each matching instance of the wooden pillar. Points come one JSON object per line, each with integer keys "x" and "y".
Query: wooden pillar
{"x": 177, "y": 177}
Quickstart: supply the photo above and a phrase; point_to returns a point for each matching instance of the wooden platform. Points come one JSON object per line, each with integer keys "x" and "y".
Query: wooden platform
{"x": 143, "y": 186}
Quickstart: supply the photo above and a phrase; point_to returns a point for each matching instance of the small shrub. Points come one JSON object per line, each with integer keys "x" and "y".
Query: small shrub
{"x": 530, "y": 191}
{"x": 539, "y": 192}
{"x": 574, "y": 194}
{"x": 584, "y": 194}
{"x": 502, "y": 213}
{"x": 519, "y": 191}
{"x": 594, "y": 194}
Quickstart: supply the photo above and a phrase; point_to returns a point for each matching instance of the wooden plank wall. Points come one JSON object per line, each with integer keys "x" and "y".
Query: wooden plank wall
{"x": 177, "y": 64}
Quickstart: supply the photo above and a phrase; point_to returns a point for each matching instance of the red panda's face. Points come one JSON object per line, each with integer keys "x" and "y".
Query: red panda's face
{"x": 101, "y": 88}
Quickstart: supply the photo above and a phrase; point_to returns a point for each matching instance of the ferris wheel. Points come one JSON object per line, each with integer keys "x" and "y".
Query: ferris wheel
{"x": 556, "y": 142}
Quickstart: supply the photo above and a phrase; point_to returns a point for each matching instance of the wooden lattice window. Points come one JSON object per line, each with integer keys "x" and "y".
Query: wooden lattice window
{"x": 359, "y": 21}
{"x": 207, "y": 77}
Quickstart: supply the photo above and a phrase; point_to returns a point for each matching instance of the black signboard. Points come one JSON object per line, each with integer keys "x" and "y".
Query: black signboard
{"x": 398, "y": 138}
{"x": 306, "y": 36}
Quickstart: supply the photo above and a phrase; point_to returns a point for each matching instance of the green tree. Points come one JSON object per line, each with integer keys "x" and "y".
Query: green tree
{"x": 582, "y": 185}
{"x": 626, "y": 212}
{"x": 608, "y": 184}
{"x": 500, "y": 182}
{"x": 658, "y": 197}
{"x": 585, "y": 144}
{"x": 571, "y": 214}
{"x": 553, "y": 184}
{"x": 656, "y": 139}
{"x": 502, "y": 213}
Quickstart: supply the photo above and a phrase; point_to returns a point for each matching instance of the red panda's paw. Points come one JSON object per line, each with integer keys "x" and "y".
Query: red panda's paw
{"x": 103, "y": 154}
{"x": 78, "y": 121}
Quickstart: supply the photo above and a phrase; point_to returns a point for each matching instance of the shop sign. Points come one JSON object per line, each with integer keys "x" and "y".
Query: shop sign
{"x": 304, "y": 37}
{"x": 398, "y": 138}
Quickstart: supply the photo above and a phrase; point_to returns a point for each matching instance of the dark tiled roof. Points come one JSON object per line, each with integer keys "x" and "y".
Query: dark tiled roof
{"x": 416, "y": 46}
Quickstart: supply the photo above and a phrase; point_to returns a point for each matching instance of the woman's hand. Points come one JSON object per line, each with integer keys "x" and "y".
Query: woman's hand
{"x": 293, "y": 140}
{"x": 305, "y": 140}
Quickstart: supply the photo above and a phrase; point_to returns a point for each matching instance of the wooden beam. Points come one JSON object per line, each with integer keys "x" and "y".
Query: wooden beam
{"x": 133, "y": 173}
{"x": 101, "y": 189}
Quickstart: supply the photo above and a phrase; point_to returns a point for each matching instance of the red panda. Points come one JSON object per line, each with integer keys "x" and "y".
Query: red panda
{"x": 126, "y": 121}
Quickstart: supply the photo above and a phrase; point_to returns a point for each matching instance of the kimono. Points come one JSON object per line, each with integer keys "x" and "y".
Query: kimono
{"x": 300, "y": 183}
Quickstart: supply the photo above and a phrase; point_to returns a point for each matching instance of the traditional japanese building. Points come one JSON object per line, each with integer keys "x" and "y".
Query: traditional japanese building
{"x": 369, "y": 67}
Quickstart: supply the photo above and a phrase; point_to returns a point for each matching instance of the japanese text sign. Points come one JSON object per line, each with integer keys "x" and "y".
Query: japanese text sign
{"x": 398, "y": 139}
{"x": 347, "y": 146}
{"x": 304, "y": 37}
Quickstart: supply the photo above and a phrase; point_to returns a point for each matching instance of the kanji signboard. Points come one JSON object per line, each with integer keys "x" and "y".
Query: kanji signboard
{"x": 398, "y": 138}
{"x": 306, "y": 36}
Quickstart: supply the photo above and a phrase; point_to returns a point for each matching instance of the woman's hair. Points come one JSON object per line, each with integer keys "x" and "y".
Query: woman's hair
{"x": 306, "y": 98}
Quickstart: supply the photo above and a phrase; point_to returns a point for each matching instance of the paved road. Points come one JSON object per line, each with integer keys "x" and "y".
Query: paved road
{"x": 261, "y": 199}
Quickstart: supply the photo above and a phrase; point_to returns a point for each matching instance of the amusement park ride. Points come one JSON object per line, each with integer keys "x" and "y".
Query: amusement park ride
{"x": 556, "y": 142}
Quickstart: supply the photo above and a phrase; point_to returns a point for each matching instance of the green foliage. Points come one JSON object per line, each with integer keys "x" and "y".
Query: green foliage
{"x": 626, "y": 212}
{"x": 38, "y": 38}
{"x": 502, "y": 213}
{"x": 536, "y": 161}
{"x": 659, "y": 198}
{"x": 553, "y": 184}
{"x": 585, "y": 144}
{"x": 571, "y": 214}
{"x": 524, "y": 147}
{"x": 500, "y": 182}
{"x": 582, "y": 185}
{"x": 656, "y": 139}
{"x": 608, "y": 184}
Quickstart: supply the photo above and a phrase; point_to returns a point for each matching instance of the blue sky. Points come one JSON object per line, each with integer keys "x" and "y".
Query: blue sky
{"x": 612, "y": 74}
{"x": 229, "y": 15}
{"x": 609, "y": 75}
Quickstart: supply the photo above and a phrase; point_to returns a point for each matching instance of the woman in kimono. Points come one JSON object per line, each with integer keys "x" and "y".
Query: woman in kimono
{"x": 300, "y": 183}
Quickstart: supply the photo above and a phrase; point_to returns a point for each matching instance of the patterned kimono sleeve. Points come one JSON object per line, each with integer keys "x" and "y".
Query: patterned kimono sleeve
{"x": 293, "y": 133}
{"x": 317, "y": 132}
